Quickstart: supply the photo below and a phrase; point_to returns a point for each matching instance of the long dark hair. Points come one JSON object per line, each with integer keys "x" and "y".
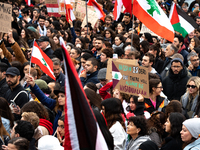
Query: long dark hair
{"x": 5, "y": 111}
{"x": 176, "y": 119}
{"x": 113, "y": 110}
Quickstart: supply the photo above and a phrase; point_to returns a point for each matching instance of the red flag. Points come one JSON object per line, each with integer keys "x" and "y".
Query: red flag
{"x": 117, "y": 9}
{"x": 127, "y": 4}
{"x": 81, "y": 129}
{"x": 97, "y": 8}
{"x": 69, "y": 11}
{"x": 42, "y": 60}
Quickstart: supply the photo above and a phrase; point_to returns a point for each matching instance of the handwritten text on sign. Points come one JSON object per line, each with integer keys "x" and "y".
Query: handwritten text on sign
{"x": 130, "y": 79}
{"x": 5, "y": 17}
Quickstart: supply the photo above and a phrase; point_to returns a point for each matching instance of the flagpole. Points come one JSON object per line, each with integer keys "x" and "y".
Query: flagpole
{"x": 132, "y": 25}
{"x": 30, "y": 58}
{"x": 86, "y": 16}
{"x": 87, "y": 20}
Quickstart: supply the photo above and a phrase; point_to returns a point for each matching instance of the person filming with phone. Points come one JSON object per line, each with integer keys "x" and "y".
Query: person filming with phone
{"x": 193, "y": 62}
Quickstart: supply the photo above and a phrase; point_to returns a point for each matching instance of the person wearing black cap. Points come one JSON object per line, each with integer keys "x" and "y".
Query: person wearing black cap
{"x": 43, "y": 42}
{"x": 16, "y": 91}
{"x": 174, "y": 85}
{"x": 3, "y": 85}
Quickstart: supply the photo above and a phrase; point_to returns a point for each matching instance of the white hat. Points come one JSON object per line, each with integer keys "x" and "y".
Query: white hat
{"x": 49, "y": 142}
{"x": 193, "y": 125}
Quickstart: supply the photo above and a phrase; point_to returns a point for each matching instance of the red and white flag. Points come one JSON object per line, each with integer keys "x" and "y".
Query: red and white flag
{"x": 128, "y": 6}
{"x": 154, "y": 18}
{"x": 42, "y": 60}
{"x": 117, "y": 9}
{"x": 53, "y": 8}
{"x": 101, "y": 15}
{"x": 28, "y": 2}
{"x": 81, "y": 129}
{"x": 69, "y": 11}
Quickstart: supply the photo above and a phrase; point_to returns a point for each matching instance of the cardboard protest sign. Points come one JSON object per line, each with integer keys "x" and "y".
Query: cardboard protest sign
{"x": 80, "y": 9}
{"x": 130, "y": 79}
{"x": 145, "y": 29}
{"x": 61, "y": 9}
{"x": 92, "y": 18}
{"x": 109, "y": 65}
{"x": 5, "y": 17}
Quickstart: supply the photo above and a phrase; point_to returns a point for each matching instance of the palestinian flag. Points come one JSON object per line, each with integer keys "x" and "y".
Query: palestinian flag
{"x": 180, "y": 21}
{"x": 42, "y": 60}
{"x": 153, "y": 17}
{"x": 81, "y": 129}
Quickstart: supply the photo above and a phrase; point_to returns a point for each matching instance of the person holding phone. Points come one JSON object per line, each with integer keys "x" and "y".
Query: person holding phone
{"x": 193, "y": 62}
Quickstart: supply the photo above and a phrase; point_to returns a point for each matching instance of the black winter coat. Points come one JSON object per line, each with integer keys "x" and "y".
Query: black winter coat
{"x": 172, "y": 144}
{"x": 174, "y": 85}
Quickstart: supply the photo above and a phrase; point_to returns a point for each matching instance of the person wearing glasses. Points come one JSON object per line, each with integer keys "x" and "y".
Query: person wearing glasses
{"x": 190, "y": 99}
{"x": 174, "y": 85}
{"x": 193, "y": 62}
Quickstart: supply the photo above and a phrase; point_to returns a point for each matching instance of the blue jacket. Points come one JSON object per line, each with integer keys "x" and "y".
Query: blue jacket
{"x": 196, "y": 72}
{"x": 50, "y": 103}
{"x": 193, "y": 146}
{"x": 90, "y": 78}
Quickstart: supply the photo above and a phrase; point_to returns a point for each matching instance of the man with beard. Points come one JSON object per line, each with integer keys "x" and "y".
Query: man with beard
{"x": 57, "y": 70}
{"x": 16, "y": 92}
{"x": 179, "y": 43}
{"x": 174, "y": 85}
{"x": 98, "y": 46}
{"x": 90, "y": 72}
{"x": 193, "y": 67}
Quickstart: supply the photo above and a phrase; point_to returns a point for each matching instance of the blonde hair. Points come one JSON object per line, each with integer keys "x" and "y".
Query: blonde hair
{"x": 196, "y": 80}
{"x": 32, "y": 118}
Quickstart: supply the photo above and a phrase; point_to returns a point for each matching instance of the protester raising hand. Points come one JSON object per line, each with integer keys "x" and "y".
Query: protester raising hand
{"x": 30, "y": 80}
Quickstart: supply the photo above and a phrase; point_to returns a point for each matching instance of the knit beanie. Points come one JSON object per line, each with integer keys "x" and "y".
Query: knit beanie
{"x": 193, "y": 126}
{"x": 177, "y": 59}
{"x": 102, "y": 74}
{"x": 148, "y": 145}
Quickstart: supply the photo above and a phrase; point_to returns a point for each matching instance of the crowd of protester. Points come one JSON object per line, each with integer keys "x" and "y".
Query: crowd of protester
{"x": 32, "y": 105}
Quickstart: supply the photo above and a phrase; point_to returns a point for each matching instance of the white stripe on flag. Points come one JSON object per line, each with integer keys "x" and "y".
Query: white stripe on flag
{"x": 119, "y": 7}
{"x": 185, "y": 24}
{"x": 70, "y": 112}
{"x": 100, "y": 141}
{"x": 36, "y": 53}
{"x": 72, "y": 15}
{"x": 99, "y": 14}
{"x": 52, "y": 10}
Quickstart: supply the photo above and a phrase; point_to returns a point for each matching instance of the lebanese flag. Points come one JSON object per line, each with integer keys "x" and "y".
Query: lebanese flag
{"x": 42, "y": 60}
{"x": 101, "y": 15}
{"x": 117, "y": 9}
{"x": 128, "y": 6}
{"x": 81, "y": 129}
{"x": 28, "y": 2}
{"x": 69, "y": 11}
{"x": 153, "y": 17}
{"x": 180, "y": 21}
{"x": 53, "y": 10}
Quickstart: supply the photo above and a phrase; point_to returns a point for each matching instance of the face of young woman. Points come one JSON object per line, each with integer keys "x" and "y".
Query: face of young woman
{"x": 119, "y": 27}
{"x": 48, "y": 33}
{"x": 61, "y": 128}
{"x": 103, "y": 57}
{"x": 23, "y": 34}
{"x": 117, "y": 41}
{"x": 61, "y": 99}
{"x": 132, "y": 104}
{"x": 167, "y": 126}
{"x": 55, "y": 39}
{"x": 77, "y": 41}
{"x": 107, "y": 34}
{"x": 193, "y": 88}
{"x": 158, "y": 89}
{"x": 185, "y": 134}
{"x": 46, "y": 23}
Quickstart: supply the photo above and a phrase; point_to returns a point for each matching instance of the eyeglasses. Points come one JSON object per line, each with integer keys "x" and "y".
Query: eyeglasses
{"x": 62, "y": 127}
{"x": 195, "y": 60}
{"x": 192, "y": 86}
